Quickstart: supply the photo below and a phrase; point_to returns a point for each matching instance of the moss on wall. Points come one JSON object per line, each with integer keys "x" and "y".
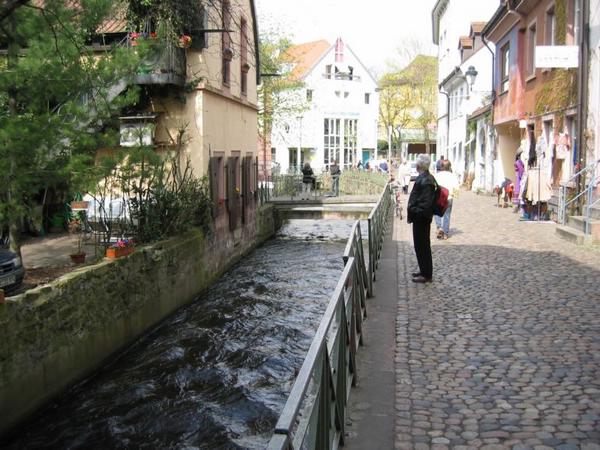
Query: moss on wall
{"x": 558, "y": 92}
{"x": 560, "y": 15}
{"x": 59, "y": 333}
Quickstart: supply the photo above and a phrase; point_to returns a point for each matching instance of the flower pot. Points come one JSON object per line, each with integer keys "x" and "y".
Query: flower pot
{"x": 117, "y": 252}
{"x": 78, "y": 258}
{"x": 79, "y": 206}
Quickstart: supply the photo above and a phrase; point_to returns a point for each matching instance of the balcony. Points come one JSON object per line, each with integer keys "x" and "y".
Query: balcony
{"x": 165, "y": 64}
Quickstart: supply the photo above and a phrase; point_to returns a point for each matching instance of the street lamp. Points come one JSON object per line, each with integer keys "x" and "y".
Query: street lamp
{"x": 471, "y": 75}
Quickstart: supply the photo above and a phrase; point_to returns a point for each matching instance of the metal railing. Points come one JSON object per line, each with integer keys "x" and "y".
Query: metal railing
{"x": 587, "y": 176}
{"x": 378, "y": 220}
{"x": 352, "y": 182}
{"x": 314, "y": 415}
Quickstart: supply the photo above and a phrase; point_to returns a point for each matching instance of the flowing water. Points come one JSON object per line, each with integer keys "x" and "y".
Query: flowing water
{"x": 216, "y": 374}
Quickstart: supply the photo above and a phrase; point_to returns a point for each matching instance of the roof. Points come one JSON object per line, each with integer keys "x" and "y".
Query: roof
{"x": 306, "y": 56}
{"x": 465, "y": 42}
{"x": 477, "y": 27}
{"x": 116, "y": 22}
{"x": 480, "y": 111}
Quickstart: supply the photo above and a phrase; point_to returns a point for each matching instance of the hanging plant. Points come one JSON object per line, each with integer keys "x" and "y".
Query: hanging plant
{"x": 176, "y": 17}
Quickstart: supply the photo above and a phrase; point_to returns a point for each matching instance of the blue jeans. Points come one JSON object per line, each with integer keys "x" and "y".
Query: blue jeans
{"x": 335, "y": 185}
{"x": 444, "y": 222}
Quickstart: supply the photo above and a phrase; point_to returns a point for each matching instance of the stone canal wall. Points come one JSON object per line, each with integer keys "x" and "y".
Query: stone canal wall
{"x": 59, "y": 333}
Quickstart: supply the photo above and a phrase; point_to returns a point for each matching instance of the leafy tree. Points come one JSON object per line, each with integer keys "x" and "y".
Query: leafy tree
{"x": 279, "y": 93}
{"x": 57, "y": 98}
{"x": 408, "y": 97}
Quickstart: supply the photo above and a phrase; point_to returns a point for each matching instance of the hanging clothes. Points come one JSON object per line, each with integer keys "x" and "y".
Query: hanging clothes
{"x": 519, "y": 171}
{"x": 563, "y": 146}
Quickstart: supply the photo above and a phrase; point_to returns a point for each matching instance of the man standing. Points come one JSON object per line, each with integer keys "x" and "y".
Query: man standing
{"x": 420, "y": 213}
{"x": 335, "y": 172}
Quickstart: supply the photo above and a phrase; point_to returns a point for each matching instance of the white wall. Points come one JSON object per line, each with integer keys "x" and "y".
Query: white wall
{"x": 326, "y": 104}
{"x": 593, "y": 123}
{"x": 454, "y": 23}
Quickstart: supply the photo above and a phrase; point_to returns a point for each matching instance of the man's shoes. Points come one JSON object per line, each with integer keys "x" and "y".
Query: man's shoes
{"x": 421, "y": 279}
{"x": 415, "y": 274}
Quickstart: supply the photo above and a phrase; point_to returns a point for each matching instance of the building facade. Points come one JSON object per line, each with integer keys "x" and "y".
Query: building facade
{"x": 200, "y": 94}
{"x": 340, "y": 119}
{"x": 457, "y": 51}
{"x": 593, "y": 110}
{"x": 535, "y": 109}
{"x": 467, "y": 90}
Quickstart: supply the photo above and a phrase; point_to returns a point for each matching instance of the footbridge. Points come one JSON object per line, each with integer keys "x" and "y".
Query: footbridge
{"x": 359, "y": 194}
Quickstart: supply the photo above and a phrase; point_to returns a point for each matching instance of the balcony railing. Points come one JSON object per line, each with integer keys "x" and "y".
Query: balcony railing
{"x": 165, "y": 63}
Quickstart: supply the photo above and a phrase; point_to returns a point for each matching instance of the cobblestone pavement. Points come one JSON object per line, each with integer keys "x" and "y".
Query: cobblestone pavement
{"x": 502, "y": 350}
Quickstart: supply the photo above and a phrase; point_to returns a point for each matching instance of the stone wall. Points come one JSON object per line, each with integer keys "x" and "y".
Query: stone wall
{"x": 57, "y": 334}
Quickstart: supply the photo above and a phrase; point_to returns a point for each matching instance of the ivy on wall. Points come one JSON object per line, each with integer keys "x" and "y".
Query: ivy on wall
{"x": 560, "y": 88}
{"x": 558, "y": 92}
{"x": 560, "y": 16}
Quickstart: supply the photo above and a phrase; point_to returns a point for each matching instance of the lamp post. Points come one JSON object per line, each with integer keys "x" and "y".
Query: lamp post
{"x": 470, "y": 76}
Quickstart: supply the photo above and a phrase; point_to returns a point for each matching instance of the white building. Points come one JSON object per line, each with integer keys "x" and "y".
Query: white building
{"x": 343, "y": 106}
{"x": 463, "y": 100}
{"x": 451, "y": 20}
{"x": 593, "y": 122}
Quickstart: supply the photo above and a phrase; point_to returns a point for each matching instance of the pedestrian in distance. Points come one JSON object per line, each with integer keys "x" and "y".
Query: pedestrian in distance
{"x": 447, "y": 179}
{"x": 404, "y": 176}
{"x": 420, "y": 213}
{"x": 307, "y": 181}
{"x": 335, "y": 172}
{"x": 438, "y": 163}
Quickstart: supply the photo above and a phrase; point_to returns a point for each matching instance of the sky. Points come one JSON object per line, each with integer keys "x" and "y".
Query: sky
{"x": 374, "y": 29}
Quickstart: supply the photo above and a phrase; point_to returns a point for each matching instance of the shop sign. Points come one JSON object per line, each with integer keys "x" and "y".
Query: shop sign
{"x": 556, "y": 56}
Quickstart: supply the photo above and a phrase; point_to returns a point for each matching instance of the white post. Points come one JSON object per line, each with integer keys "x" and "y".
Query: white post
{"x": 389, "y": 155}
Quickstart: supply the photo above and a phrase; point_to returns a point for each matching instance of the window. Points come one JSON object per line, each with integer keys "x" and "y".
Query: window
{"x": 550, "y": 26}
{"x": 504, "y": 67}
{"x": 531, "y": 41}
{"x": 332, "y": 144}
{"x": 350, "y": 141}
{"x": 226, "y": 51}
{"x": 309, "y": 95}
{"x": 367, "y": 98}
{"x": 328, "y": 71}
{"x": 244, "y": 66}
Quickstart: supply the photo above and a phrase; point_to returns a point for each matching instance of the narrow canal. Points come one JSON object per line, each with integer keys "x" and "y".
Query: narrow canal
{"x": 215, "y": 375}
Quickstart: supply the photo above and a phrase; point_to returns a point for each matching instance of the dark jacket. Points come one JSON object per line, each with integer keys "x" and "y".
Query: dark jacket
{"x": 307, "y": 173}
{"x": 420, "y": 202}
{"x": 335, "y": 171}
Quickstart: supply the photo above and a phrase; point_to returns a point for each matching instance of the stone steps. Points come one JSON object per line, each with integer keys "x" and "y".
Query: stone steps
{"x": 572, "y": 235}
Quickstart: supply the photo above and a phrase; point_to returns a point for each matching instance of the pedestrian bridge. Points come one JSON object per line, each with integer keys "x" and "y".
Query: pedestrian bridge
{"x": 344, "y": 207}
{"x": 360, "y": 192}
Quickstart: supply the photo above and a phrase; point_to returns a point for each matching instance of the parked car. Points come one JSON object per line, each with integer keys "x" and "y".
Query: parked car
{"x": 11, "y": 270}
{"x": 413, "y": 171}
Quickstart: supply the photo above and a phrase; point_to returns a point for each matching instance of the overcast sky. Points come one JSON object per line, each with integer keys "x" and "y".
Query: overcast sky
{"x": 374, "y": 29}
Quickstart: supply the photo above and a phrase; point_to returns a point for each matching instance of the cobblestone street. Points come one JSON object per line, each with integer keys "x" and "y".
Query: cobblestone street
{"x": 502, "y": 350}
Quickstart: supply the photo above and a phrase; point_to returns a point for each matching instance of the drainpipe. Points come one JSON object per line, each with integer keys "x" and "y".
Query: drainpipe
{"x": 493, "y": 141}
{"x": 582, "y": 89}
{"x": 447, "y": 120}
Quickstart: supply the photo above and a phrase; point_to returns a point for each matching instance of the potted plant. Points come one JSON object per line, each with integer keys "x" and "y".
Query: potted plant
{"x": 122, "y": 247}
{"x": 75, "y": 228}
{"x": 185, "y": 41}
